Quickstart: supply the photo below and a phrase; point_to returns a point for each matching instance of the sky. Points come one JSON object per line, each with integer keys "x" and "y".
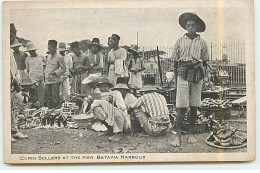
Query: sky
{"x": 155, "y": 26}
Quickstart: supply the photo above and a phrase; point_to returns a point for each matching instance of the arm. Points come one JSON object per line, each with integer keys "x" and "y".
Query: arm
{"x": 27, "y": 65}
{"x": 136, "y": 104}
{"x": 62, "y": 66}
{"x": 142, "y": 67}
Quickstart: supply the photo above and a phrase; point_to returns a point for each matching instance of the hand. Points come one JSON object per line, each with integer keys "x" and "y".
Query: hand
{"x": 110, "y": 98}
{"x": 90, "y": 100}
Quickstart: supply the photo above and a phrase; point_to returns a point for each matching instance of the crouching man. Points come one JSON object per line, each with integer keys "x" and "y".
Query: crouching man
{"x": 151, "y": 110}
{"x": 110, "y": 109}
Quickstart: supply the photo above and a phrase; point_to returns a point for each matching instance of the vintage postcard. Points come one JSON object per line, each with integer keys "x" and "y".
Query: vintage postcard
{"x": 128, "y": 81}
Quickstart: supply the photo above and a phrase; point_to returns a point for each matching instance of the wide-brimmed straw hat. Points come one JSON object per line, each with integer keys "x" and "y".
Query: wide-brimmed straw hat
{"x": 62, "y": 46}
{"x": 96, "y": 42}
{"x": 201, "y": 27}
{"x": 103, "y": 80}
{"x": 91, "y": 78}
{"x": 30, "y": 46}
{"x": 120, "y": 84}
{"x": 149, "y": 84}
{"x": 16, "y": 43}
{"x": 134, "y": 49}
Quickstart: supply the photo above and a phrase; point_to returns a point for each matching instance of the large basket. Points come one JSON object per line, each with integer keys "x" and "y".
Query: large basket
{"x": 83, "y": 123}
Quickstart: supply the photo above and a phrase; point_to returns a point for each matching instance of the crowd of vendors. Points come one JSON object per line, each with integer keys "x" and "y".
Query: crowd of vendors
{"x": 112, "y": 89}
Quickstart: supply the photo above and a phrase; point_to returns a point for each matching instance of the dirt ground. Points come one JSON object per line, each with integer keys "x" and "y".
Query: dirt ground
{"x": 74, "y": 141}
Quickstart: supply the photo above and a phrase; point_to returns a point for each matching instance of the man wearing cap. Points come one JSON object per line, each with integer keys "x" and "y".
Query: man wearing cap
{"x": 96, "y": 58}
{"x": 65, "y": 85}
{"x": 136, "y": 66}
{"x": 190, "y": 55}
{"x": 116, "y": 60}
{"x": 151, "y": 110}
{"x": 19, "y": 57}
{"x": 55, "y": 68}
{"x": 80, "y": 67}
{"x": 35, "y": 65}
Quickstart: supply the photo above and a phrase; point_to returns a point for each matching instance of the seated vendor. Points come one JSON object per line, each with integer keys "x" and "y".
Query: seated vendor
{"x": 151, "y": 110}
{"x": 110, "y": 109}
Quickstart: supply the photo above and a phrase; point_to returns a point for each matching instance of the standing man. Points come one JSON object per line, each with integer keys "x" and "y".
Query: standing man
{"x": 65, "y": 85}
{"x": 116, "y": 60}
{"x": 136, "y": 66}
{"x": 19, "y": 57}
{"x": 55, "y": 68}
{"x": 96, "y": 58}
{"x": 190, "y": 55}
{"x": 80, "y": 68}
{"x": 35, "y": 65}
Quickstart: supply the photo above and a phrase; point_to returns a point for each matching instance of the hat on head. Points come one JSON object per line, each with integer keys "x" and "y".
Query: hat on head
{"x": 115, "y": 37}
{"x": 104, "y": 80}
{"x": 15, "y": 44}
{"x": 149, "y": 84}
{"x": 96, "y": 41}
{"x": 62, "y": 46}
{"x": 30, "y": 46}
{"x": 74, "y": 44}
{"x": 120, "y": 84}
{"x": 90, "y": 79}
{"x": 201, "y": 27}
{"x": 53, "y": 43}
{"x": 12, "y": 28}
{"x": 133, "y": 49}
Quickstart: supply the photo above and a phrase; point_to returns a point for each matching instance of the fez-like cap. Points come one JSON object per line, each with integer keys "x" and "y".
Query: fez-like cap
{"x": 115, "y": 37}
{"x": 53, "y": 43}
{"x": 74, "y": 44}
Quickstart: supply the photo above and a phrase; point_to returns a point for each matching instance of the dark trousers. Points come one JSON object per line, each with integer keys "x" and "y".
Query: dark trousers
{"x": 52, "y": 97}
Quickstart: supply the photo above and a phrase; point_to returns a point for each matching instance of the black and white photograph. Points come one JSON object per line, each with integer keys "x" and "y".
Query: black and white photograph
{"x": 128, "y": 81}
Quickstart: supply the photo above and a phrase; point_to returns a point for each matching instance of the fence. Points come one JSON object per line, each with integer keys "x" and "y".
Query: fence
{"x": 223, "y": 56}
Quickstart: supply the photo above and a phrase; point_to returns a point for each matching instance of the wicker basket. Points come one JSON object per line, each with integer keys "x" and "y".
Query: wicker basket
{"x": 84, "y": 123}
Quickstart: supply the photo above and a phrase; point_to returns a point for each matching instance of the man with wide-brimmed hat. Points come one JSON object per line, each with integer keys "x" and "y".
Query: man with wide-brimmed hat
{"x": 190, "y": 55}
{"x": 151, "y": 110}
{"x": 65, "y": 85}
{"x": 35, "y": 65}
{"x": 80, "y": 69}
{"x": 15, "y": 90}
{"x": 55, "y": 68}
{"x": 110, "y": 110}
{"x": 116, "y": 59}
{"x": 96, "y": 58}
{"x": 20, "y": 58}
{"x": 136, "y": 66}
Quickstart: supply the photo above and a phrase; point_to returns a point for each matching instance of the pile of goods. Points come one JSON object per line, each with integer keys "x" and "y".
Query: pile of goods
{"x": 223, "y": 136}
{"x": 209, "y": 103}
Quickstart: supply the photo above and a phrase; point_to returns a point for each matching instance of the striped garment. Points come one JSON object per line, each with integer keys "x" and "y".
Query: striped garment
{"x": 152, "y": 103}
{"x": 186, "y": 49}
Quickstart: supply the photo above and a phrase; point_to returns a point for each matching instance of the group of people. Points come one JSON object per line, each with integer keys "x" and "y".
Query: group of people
{"x": 64, "y": 71}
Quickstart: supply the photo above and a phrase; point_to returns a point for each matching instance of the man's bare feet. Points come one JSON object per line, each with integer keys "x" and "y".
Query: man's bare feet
{"x": 116, "y": 137}
{"x": 176, "y": 142}
{"x": 191, "y": 139}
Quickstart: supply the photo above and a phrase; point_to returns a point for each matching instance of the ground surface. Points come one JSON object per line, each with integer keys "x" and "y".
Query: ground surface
{"x": 74, "y": 141}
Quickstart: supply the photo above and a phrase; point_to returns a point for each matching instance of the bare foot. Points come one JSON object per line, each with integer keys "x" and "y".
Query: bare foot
{"x": 176, "y": 142}
{"x": 191, "y": 139}
{"x": 116, "y": 137}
